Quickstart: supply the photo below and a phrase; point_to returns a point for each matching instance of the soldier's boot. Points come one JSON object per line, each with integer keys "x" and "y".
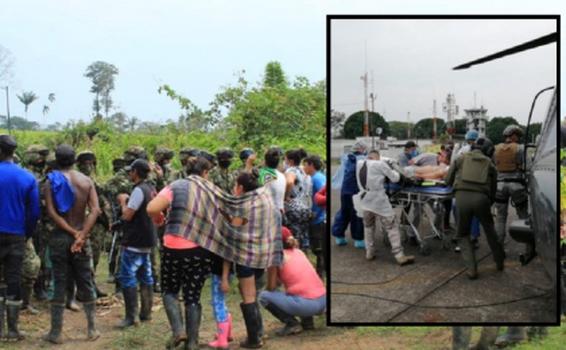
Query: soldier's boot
{"x": 461, "y": 338}
{"x": 146, "y": 296}
{"x": 403, "y": 259}
{"x": 131, "y": 304}
{"x": 2, "y": 313}
{"x": 469, "y": 255}
{"x": 513, "y": 336}
{"x": 39, "y": 290}
{"x": 307, "y": 323}
{"x": 193, "y": 315}
{"x": 54, "y": 336}
{"x": 292, "y": 326}
{"x": 487, "y": 338}
{"x": 26, "y": 300}
{"x": 13, "y": 314}
{"x": 90, "y": 311}
{"x": 175, "y": 317}
{"x": 251, "y": 318}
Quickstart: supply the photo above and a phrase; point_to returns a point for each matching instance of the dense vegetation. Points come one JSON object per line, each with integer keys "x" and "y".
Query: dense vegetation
{"x": 273, "y": 112}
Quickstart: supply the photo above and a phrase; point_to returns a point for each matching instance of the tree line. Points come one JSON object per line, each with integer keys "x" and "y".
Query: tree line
{"x": 352, "y": 127}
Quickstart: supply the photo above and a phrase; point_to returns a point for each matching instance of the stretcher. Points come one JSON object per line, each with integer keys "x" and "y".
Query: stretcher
{"x": 427, "y": 200}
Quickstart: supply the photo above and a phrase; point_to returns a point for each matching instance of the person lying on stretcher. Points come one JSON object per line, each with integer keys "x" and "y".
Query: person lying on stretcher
{"x": 429, "y": 166}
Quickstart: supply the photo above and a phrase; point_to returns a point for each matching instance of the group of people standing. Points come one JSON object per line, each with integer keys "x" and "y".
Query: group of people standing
{"x": 203, "y": 220}
{"x": 481, "y": 175}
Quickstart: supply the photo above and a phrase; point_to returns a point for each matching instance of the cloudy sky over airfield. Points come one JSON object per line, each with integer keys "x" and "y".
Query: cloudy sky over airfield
{"x": 412, "y": 63}
{"x": 197, "y": 47}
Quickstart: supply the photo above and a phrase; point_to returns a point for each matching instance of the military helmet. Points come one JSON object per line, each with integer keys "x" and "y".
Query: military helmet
{"x": 210, "y": 157}
{"x": 513, "y": 129}
{"x": 35, "y": 152}
{"x": 185, "y": 153}
{"x": 245, "y": 153}
{"x": 86, "y": 155}
{"x": 51, "y": 162}
{"x": 224, "y": 153}
{"x": 485, "y": 146}
{"x": 133, "y": 153}
{"x": 162, "y": 153}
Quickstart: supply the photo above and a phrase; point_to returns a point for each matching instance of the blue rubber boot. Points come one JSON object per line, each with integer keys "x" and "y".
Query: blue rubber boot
{"x": 341, "y": 241}
{"x": 360, "y": 244}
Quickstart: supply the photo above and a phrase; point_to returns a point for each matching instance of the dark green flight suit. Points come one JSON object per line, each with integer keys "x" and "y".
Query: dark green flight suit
{"x": 474, "y": 180}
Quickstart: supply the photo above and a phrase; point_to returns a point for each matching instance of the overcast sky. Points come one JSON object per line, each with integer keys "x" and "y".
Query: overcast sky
{"x": 197, "y": 46}
{"x": 412, "y": 63}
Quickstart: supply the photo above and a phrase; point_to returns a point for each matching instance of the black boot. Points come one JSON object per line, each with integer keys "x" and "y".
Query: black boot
{"x": 13, "y": 314}
{"x": 174, "y": 315}
{"x": 90, "y": 311}
{"x": 192, "y": 323}
{"x": 307, "y": 323}
{"x": 251, "y": 317}
{"x": 131, "y": 303}
{"x": 292, "y": 326}
{"x": 26, "y": 300}
{"x": 146, "y": 294}
{"x": 54, "y": 336}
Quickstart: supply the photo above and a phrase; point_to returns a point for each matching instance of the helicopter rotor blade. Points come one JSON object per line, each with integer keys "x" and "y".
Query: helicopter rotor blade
{"x": 544, "y": 40}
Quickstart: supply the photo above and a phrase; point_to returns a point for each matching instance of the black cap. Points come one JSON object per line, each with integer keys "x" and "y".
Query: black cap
{"x": 65, "y": 155}
{"x": 7, "y": 143}
{"x": 410, "y": 144}
{"x": 141, "y": 165}
{"x": 211, "y": 158}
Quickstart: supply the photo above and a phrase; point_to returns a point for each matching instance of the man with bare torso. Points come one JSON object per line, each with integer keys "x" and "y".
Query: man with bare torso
{"x": 68, "y": 193}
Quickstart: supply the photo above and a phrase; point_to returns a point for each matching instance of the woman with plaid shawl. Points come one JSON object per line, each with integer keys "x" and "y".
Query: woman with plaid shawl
{"x": 202, "y": 220}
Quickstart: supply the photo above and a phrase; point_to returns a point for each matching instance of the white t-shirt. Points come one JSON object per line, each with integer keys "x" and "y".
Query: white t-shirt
{"x": 277, "y": 188}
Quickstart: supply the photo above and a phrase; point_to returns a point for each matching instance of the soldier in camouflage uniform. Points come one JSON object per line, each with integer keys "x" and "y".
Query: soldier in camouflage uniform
{"x": 34, "y": 160}
{"x": 221, "y": 176}
{"x": 162, "y": 157}
{"x": 86, "y": 164}
{"x": 119, "y": 183}
{"x": 185, "y": 154}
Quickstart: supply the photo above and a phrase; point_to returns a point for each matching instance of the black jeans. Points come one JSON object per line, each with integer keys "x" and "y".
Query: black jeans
{"x": 317, "y": 233}
{"x": 76, "y": 266}
{"x": 11, "y": 261}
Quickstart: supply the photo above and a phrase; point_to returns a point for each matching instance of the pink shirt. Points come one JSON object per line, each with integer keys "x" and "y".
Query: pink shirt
{"x": 170, "y": 240}
{"x": 299, "y": 276}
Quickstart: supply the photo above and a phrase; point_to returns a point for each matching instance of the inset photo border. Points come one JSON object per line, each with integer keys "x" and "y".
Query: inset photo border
{"x": 415, "y": 239}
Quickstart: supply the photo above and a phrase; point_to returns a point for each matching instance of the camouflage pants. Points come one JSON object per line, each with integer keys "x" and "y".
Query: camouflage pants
{"x": 30, "y": 265}
{"x": 97, "y": 243}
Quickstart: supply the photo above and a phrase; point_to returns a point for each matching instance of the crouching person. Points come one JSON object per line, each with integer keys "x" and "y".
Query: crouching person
{"x": 305, "y": 294}
{"x": 138, "y": 240}
{"x": 372, "y": 201}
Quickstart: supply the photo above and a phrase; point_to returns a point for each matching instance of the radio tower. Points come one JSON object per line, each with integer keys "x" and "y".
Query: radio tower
{"x": 451, "y": 112}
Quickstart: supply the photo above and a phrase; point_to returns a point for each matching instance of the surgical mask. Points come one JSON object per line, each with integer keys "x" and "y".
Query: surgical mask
{"x": 414, "y": 153}
{"x": 224, "y": 164}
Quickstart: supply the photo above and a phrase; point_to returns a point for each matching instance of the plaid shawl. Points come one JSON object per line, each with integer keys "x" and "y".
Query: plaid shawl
{"x": 202, "y": 212}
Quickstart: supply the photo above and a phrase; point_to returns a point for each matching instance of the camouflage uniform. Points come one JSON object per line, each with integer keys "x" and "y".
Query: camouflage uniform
{"x": 100, "y": 228}
{"x": 221, "y": 176}
{"x": 34, "y": 254}
{"x": 160, "y": 156}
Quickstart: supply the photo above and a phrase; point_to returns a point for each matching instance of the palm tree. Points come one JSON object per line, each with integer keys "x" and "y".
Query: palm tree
{"x": 27, "y": 98}
{"x": 51, "y": 97}
{"x": 45, "y": 110}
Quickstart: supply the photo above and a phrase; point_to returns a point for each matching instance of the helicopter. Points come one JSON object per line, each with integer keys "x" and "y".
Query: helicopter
{"x": 539, "y": 230}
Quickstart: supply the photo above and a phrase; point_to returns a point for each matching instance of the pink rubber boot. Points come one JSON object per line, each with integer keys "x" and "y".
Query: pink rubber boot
{"x": 221, "y": 342}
